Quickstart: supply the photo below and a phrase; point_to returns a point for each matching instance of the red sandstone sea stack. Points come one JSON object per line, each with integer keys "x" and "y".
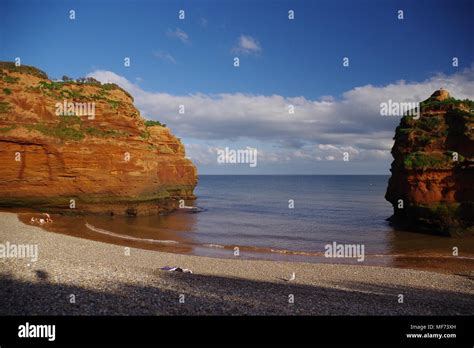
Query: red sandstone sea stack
{"x": 432, "y": 182}
{"x": 112, "y": 163}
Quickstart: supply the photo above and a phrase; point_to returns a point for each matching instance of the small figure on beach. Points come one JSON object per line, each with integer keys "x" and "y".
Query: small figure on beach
{"x": 40, "y": 220}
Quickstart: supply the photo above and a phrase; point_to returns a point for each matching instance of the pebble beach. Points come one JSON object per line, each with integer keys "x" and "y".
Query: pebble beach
{"x": 75, "y": 276}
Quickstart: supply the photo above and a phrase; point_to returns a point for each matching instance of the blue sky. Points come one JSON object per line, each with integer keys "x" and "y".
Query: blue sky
{"x": 301, "y": 58}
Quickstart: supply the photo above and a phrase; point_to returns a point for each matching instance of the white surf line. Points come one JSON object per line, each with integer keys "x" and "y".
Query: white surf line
{"x": 214, "y": 246}
{"x": 316, "y": 254}
{"x": 423, "y": 256}
{"x": 279, "y": 251}
{"x": 115, "y": 235}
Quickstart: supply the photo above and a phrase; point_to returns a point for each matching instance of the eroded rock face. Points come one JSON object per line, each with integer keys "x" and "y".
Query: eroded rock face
{"x": 432, "y": 182}
{"x": 111, "y": 162}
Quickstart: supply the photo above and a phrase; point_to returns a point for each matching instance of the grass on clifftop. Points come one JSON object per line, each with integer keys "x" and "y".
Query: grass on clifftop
{"x": 150, "y": 123}
{"x": 71, "y": 90}
{"x": 72, "y": 128}
{"x": 59, "y": 91}
{"x": 53, "y": 85}
{"x": 423, "y": 160}
{"x": 10, "y": 66}
{"x": 433, "y": 128}
{"x": 443, "y": 104}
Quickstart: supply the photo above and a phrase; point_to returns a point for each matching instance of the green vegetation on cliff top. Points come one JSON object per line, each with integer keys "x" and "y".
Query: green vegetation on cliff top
{"x": 72, "y": 128}
{"x": 58, "y": 90}
{"x": 23, "y": 69}
{"x": 443, "y": 104}
{"x": 150, "y": 123}
{"x": 436, "y": 160}
{"x": 52, "y": 85}
{"x": 432, "y": 128}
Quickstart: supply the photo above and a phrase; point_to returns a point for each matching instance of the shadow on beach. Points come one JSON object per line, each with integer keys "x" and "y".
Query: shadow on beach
{"x": 215, "y": 295}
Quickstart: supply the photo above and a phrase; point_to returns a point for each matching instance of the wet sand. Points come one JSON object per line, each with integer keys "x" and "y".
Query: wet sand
{"x": 167, "y": 239}
{"x": 103, "y": 279}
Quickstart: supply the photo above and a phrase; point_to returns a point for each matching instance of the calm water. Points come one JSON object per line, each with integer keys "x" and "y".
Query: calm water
{"x": 252, "y": 212}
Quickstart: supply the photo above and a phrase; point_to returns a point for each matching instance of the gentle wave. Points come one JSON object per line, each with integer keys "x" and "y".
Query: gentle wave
{"x": 428, "y": 256}
{"x": 296, "y": 252}
{"x": 263, "y": 249}
{"x": 116, "y": 235}
{"x": 214, "y": 246}
{"x": 191, "y": 209}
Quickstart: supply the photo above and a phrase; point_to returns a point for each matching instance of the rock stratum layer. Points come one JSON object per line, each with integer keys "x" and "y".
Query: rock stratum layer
{"x": 112, "y": 162}
{"x": 432, "y": 182}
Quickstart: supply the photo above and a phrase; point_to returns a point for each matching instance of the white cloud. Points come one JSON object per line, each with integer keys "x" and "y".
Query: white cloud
{"x": 164, "y": 56}
{"x": 206, "y": 154}
{"x": 178, "y": 34}
{"x": 202, "y": 154}
{"x": 247, "y": 45}
{"x": 318, "y": 130}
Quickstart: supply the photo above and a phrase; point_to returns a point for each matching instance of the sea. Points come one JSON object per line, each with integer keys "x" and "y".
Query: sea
{"x": 285, "y": 218}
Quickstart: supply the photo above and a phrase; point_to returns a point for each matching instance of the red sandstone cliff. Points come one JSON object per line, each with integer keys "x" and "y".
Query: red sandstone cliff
{"x": 432, "y": 182}
{"x": 110, "y": 163}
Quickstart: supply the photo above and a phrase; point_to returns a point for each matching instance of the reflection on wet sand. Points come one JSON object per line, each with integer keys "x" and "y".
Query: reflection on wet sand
{"x": 436, "y": 253}
{"x": 178, "y": 233}
{"x": 141, "y": 229}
